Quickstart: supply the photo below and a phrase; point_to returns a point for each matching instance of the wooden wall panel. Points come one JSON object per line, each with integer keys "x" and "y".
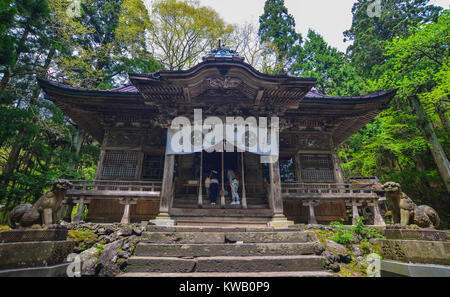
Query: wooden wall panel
{"x": 111, "y": 211}
{"x": 326, "y": 211}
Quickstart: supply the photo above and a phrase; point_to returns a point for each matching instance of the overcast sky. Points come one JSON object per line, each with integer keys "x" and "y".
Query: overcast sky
{"x": 330, "y": 18}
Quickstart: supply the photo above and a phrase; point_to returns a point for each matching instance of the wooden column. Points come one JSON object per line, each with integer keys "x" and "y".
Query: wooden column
{"x": 99, "y": 172}
{"x": 276, "y": 202}
{"x": 275, "y": 188}
{"x": 167, "y": 184}
{"x": 338, "y": 174}
{"x": 244, "y": 194}
{"x": 166, "y": 197}
{"x": 222, "y": 192}
{"x": 200, "y": 188}
{"x": 298, "y": 168}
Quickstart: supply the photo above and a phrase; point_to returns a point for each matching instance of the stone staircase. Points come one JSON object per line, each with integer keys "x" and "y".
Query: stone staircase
{"x": 224, "y": 252}
{"x": 186, "y": 212}
{"x": 254, "y": 201}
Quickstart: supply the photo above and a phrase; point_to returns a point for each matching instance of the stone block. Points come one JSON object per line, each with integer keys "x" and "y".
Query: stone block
{"x": 34, "y": 254}
{"x": 416, "y": 251}
{"x": 416, "y": 234}
{"x": 33, "y": 235}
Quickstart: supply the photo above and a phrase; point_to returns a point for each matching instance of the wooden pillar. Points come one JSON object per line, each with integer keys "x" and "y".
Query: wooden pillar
{"x": 312, "y": 215}
{"x": 338, "y": 174}
{"x": 244, "y": 194}
{"x": 99, "y": 172}
{"x": 200, "y": 186}
{"x": 276, "y": 202}
{"x": 222, "y": 192}
{"x": 298, "y": 168}
{"x": 275, "y": 187}
{"x": 166, "y": 197}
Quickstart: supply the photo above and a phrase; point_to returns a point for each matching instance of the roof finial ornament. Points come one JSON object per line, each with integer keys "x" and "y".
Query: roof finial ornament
{"x": 223, "y": 52}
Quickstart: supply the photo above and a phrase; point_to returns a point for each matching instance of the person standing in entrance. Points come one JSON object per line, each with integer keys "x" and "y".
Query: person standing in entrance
{"x": 214, "y": 188}
{"x": 234, "y": 189}
{"x": 207, "y": 184}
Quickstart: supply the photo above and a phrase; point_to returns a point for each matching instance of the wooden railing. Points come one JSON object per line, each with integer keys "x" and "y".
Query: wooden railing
{"x": 114, "y": 188}
{"x": 327, "y": 190}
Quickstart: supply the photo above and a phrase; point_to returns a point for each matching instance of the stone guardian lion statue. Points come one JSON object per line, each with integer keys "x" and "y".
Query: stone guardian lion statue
{"x": 44, "y": 211}
{"x": 406, "y": 212}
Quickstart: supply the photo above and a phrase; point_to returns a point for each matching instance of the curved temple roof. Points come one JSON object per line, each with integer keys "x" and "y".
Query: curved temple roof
{"x": 222, "y": 79}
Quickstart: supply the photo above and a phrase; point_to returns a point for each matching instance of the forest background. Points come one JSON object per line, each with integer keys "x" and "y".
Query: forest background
{"x": 95, "y": 43}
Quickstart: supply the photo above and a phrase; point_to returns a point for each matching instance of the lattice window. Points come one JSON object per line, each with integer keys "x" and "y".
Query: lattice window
{"x": 153, "y": 167}
{"x": 316, "y": 168}
{"x": 287, "y": 170}
{"x": 120, "y": 164}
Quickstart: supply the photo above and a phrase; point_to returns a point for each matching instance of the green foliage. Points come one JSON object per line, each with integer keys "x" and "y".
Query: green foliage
{"x": 84, "y": 239}
{"x": 399, "y": 145}
{"x": 370, "y": 34}
{"x": 181, "y": 32}
{"x": 277, "y": 28}
{"x": 4, "y": 228}
{"x": 344, "y": 234}
{"x": 100, "y": 247}
{"x": 334, "y": 73}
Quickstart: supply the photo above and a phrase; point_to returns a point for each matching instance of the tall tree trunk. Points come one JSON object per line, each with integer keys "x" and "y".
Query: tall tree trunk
{"x": 437, "y": 151}
{"x": 441, "y": 110}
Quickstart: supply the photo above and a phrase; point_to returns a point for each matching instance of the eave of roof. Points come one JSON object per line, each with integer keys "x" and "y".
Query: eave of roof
{"x": 123, "y": 91}
{"x": 314, "y": 97}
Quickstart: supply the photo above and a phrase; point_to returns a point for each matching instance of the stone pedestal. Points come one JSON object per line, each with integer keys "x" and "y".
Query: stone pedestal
{"x": 414, "y": 252}
{"x": 163, "y": 219}
{"x": 312, "y": 215}
{"x": 279, "y": 221}
{"x": 126, "y": 211}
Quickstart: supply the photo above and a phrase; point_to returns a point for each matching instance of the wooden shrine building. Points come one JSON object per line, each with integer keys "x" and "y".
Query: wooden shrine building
{"x": 137, "y": 181}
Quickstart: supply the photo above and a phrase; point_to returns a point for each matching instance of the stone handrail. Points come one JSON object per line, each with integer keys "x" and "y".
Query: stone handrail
{"x": 354, "y": 195}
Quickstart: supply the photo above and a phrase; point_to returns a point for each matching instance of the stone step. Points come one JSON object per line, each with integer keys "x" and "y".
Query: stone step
{"x": 224, "y": 249}
{"x": 225, "y": 264}
{"x": 210, "y": 206}
{"x": 154, "y": 228}
{"x": 224, "y": 237}
{"x": 221, "y": 221}
{"x": 219, "y": 212}
{"x": 233, "y": 274}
